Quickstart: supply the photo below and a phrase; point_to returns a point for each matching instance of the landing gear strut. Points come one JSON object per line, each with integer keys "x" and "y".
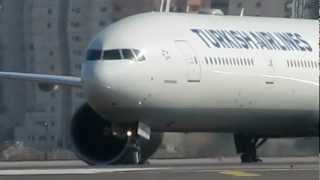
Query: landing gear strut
{"x": 137, "y": 135}
{"x": 134, "y": 149}
{"x": 247, "y": 146}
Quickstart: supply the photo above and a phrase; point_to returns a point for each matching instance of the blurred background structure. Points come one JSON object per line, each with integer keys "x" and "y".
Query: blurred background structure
{"x": 50, "y": 36}
{"x": 276, "y": 8}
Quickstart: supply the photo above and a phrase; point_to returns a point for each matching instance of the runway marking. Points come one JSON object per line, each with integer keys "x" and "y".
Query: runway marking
{"x": 239, "y": 173}
{"x": 83, "y": 171}
{"x": 221, "y": 171}
{"x": 73, "y": 171}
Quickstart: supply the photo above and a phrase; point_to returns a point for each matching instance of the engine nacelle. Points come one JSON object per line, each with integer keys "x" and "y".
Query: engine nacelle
{"x": 94, "y": 144}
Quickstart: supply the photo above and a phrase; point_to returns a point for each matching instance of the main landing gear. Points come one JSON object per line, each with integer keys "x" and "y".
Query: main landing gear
{"x": 247, "y": 146}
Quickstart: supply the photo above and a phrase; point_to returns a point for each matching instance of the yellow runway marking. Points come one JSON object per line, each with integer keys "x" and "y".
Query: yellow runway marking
{"x": 239, "y": 173}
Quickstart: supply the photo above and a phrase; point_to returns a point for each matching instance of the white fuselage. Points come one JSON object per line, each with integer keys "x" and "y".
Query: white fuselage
{"x": 202, "y": 73}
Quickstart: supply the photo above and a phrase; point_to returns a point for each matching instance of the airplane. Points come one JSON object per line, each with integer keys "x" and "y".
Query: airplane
{"x": 254, "y": 77}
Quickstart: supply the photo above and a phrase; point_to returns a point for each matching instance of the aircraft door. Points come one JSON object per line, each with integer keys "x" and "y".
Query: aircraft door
{"x": 193, "y": 70}
{"x": 269, "y": 72}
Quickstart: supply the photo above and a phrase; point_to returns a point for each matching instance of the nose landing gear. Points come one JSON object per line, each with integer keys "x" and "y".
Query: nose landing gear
{"x": 247, "y": 146}
{"x": 137, "y": 135}
{"x": 134, "y": 149}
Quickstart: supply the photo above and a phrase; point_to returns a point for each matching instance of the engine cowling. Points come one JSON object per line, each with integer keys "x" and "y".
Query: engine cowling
{"x": 94, "y": 145}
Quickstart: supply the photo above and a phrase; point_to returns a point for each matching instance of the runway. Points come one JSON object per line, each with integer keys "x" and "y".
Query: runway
{"x": 168, "y": 169}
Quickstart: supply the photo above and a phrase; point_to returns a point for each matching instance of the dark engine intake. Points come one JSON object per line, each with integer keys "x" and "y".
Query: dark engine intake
{"x": 93, "y": 145}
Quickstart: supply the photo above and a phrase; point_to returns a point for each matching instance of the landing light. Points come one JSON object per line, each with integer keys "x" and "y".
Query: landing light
{"x": 129, "y": 133}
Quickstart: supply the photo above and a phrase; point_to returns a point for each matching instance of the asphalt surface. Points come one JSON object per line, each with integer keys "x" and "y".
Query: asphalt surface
{"x": 166, "y": 169}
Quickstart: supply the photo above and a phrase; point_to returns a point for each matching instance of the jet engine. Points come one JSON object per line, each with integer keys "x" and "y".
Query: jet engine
{"x": 94, "y": 143}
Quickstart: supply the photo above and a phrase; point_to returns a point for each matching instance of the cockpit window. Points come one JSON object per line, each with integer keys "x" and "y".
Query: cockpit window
{"x": 112, "y": 55}
{"x": 94, "y": 54}
{"x": 116, "y": 54}
{"x": 127, "y": 54}
{"x": 139, "y": 55}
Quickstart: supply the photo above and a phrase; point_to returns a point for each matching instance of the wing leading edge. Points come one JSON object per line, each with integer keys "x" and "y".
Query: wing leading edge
{"x": 43, "y": 78}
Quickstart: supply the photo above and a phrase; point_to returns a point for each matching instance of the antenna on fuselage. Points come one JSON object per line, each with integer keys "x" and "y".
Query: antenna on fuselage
{"x": 161, "y": 5}
{"x": 168, "y": 6}
{"x": 165, "y": 5}
{"x": 242, "y": 12}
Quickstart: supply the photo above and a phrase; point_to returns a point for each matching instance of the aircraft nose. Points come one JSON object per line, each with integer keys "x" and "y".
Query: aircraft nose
{"x": 95, "y": 77}
{"x": 91, "y": 73}
{"x": 96, "y": 84}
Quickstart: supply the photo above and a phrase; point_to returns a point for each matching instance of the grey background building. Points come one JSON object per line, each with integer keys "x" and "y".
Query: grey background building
{"x": 276, "y": 8}
{"x": 50, "y": 36}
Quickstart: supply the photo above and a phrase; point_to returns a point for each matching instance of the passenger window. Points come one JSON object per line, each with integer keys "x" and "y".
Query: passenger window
{"x": 206, "y": 59}
{"x": 211, "y": 61}
{"x": 127, "y": 54}
{"x": 215, "y": 61}
{"x": 313, "y": 65}
{"x": 245, "y": 62}
{"x": 298, "y": 63}
{"x": 112, "y": 55}
{"x": 93, "y": 54}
